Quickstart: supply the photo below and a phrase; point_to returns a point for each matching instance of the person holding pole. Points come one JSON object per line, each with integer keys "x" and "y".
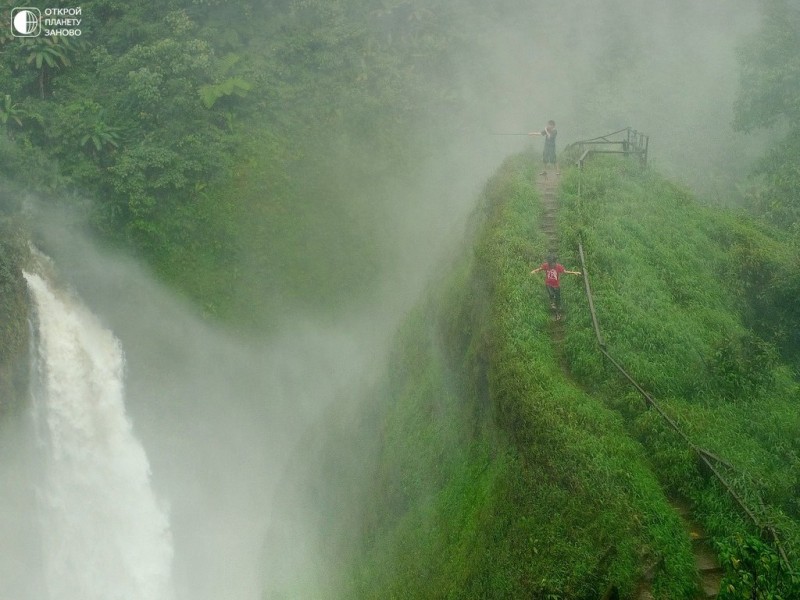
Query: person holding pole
{"x": 549, "y": 155}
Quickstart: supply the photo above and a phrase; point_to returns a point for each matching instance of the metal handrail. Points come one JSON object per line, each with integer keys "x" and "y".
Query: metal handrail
{"x": 635, "y": 143}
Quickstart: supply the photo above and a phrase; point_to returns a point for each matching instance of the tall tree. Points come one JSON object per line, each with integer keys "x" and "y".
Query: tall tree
{"x": 46, "y": 54}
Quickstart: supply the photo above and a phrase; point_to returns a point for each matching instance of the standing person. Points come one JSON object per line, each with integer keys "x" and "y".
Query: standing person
{"x": 553, "y": 270}
{"x": 549, "y": 155}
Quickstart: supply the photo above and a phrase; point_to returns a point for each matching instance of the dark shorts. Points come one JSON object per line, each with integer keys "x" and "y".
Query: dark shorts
{"x": 549, "y": 155}
{"x": 555, "y": 294}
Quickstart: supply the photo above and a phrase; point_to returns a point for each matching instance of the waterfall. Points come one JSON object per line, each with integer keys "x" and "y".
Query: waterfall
{"x": 104, "y": 534}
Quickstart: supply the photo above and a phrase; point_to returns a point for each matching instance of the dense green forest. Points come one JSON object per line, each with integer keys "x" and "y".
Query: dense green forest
{"x": 235, "y": 158}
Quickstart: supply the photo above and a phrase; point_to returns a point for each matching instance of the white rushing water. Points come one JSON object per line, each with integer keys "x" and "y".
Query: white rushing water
{"x": 104, "y": 534}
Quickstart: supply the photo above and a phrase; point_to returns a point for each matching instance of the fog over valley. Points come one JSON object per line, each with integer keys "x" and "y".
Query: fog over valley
{"x": 234, "y": 221}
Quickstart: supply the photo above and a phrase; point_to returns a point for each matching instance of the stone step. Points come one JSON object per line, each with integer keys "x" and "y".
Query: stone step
{"x": 710, "y": 584}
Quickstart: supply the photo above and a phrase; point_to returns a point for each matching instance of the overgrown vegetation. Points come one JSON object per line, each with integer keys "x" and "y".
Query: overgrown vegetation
{"x": 490, "y": 452}
{"x": 499, "y": 477}
{"x": 688, "y": 301}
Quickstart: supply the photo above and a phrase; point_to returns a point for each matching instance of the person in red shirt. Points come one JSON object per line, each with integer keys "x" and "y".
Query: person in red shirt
{"x": 553, "y": 271}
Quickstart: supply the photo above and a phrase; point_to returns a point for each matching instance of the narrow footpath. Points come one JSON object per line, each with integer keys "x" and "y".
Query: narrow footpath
{"x": 705, "y": 559}
{"x": 547, "y": 186}
{"x": 709, "y": 572}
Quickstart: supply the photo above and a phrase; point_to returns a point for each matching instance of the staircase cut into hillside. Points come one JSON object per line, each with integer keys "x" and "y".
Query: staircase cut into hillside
{"x": 547, "y": 185}
{"x": 705, "y": 559}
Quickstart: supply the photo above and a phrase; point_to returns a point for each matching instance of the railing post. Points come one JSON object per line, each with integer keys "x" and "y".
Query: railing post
{"x": 595, "y": 324}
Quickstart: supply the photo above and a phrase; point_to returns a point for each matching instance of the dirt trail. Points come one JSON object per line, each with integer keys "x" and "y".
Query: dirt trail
{"x": 709, "y": 571}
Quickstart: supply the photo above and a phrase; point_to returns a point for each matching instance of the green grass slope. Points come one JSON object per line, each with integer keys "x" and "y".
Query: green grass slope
{"x": 700, "y": 306}
{"x": 497, "y": 475}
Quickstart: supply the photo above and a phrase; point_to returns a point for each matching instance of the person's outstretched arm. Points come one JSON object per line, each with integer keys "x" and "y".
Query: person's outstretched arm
{"x": 574, "y": 272}
{"x": 536, "y": 270}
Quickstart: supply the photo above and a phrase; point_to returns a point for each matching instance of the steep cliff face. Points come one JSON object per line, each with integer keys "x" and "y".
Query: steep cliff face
{"x": 13, "y": 316}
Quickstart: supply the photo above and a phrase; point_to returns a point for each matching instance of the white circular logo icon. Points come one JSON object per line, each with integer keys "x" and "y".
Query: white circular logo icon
{"x": 25, "y": 22}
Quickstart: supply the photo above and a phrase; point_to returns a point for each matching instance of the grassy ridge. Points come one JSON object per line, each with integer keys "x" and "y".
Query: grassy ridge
{"x": 498, "y": 477}
{"x": 690, "y": 301}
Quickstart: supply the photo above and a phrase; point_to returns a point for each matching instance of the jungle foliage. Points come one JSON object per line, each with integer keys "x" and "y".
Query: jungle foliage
{"x": 229, "y": 155}
{"x": 235, "y": 154}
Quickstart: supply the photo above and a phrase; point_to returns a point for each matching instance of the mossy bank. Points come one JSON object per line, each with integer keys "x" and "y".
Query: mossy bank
{"x": 14, "y": 309}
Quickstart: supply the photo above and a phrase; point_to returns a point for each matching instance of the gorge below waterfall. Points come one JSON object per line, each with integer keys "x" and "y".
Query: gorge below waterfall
{"x": 151, "y": 460}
